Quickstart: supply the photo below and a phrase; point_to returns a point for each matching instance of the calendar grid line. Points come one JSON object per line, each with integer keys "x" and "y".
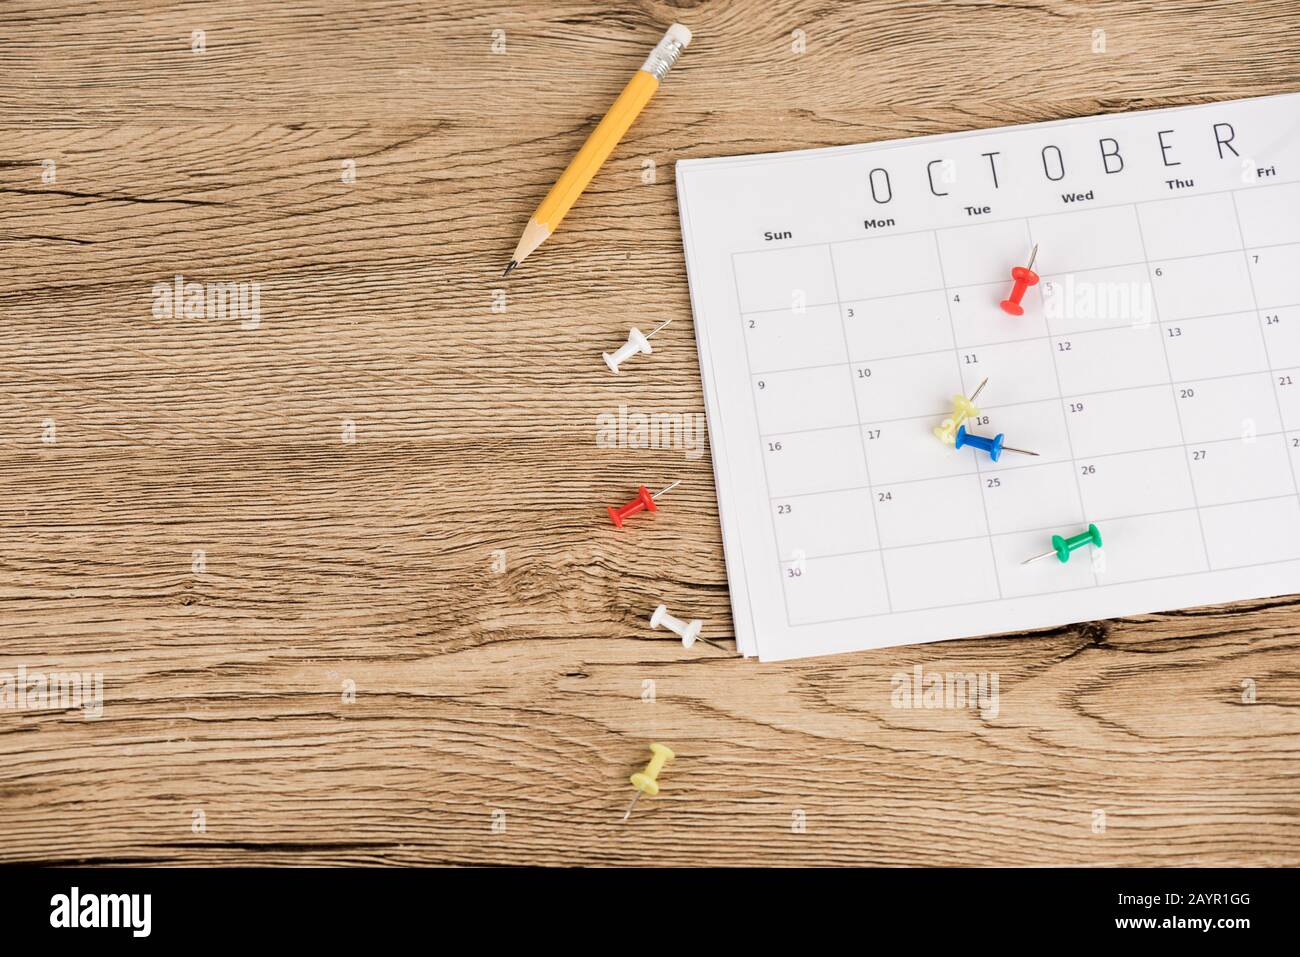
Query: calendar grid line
{"x": 956, "y": 354}
{"x": 1061, "y": 273}
{"x": 1045, "y": 276}
{"x": 1065, "y": 398}
{"x": 1268, "y": 358}
{"x": 1274, "y": 184}
{"x": 1057, "y": 275}
{"x": 767, "y": 482}
{"x": 1026, "y": 467}
{"x": 857, "y": 410}
{"x": 1059, "y": 591}
{"x": 1103, "y": 517}
{"x": 957, "y": 347}
{"x": 1047, "y": 338}
{"x": 1169, "y": 369}
{"x": 1030, "y": 466}
{"x": 1069, "y": 439}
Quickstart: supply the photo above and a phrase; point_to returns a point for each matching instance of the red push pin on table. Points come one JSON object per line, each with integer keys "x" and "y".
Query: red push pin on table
{"x": 644, "y": 499}
{"x": 1024, "y": 277}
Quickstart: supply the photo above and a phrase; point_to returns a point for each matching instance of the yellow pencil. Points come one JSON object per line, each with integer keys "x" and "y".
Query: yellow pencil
{"x": 600, "y": 143}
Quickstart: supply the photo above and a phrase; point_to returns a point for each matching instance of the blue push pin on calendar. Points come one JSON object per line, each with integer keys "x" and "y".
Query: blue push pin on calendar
{"x": 994, "y": 446}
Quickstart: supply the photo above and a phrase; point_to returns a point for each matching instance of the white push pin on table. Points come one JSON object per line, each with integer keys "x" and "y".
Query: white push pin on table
{"x": 637, "y": 341}
{"x": 689, "y": 630}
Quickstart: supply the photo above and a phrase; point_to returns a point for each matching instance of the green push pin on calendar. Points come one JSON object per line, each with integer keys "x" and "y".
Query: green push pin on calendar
{"x": 1061, "y": 547}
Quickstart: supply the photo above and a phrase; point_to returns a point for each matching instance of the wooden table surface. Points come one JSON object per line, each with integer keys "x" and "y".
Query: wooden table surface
{"x": 356, "y": 470}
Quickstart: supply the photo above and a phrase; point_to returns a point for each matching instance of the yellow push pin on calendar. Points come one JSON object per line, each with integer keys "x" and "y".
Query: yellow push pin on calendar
{"x": 962, "y": 409}
{"x": 646, "y": 782}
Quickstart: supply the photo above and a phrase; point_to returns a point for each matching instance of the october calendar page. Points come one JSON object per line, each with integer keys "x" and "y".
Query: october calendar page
{"x": 845, "y": 298}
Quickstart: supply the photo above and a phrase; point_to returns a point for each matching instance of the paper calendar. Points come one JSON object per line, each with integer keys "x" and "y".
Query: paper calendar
{"x": 843, "y": 296}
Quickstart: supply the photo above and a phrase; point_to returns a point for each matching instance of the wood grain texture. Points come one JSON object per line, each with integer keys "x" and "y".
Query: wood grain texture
{"x": 371, "y": 561}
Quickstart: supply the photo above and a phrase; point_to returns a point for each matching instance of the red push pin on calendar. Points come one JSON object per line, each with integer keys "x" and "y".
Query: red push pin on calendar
{"x": 1024, "y": 277}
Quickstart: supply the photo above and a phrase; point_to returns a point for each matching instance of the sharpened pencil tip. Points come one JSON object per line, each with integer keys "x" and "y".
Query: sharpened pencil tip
{"x": 510, "y": 268}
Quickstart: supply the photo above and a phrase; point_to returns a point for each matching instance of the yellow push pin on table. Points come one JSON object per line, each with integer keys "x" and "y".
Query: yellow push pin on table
{"x": 962, "y": 409}
{"x": 646, "y": 782}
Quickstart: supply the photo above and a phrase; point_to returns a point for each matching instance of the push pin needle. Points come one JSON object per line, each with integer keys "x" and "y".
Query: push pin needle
{"x": 666, "y": 488}
{"x": 651, "y": 335}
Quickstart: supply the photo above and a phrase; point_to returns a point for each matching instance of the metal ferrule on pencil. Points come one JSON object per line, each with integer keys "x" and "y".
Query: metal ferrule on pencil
{"x": 665, "y": 54}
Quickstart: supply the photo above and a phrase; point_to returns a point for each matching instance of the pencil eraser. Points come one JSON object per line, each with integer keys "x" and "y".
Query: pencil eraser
{"x": 679, "y": 35}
